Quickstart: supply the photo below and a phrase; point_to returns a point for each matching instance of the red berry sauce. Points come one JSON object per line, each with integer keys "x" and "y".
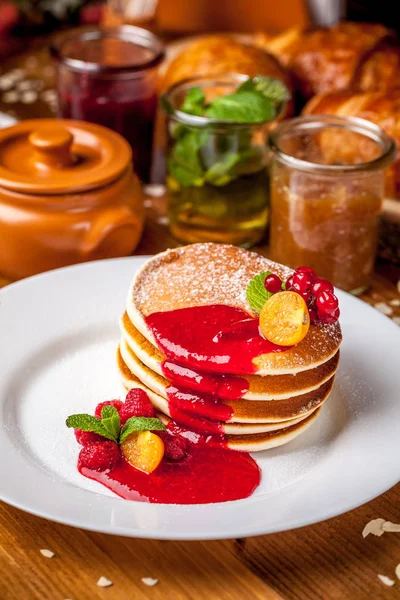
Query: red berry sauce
{"x": 182, "y": 401}
{"x": 205, "y": 475}
{"x": 214, "y": 338}
{"x": 227, "y": 387}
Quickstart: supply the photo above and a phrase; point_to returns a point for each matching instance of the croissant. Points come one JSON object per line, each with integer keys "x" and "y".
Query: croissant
{"x": 382, "y": 108}
{"x": 358, "y": 56}
{"x": 218, "y": 55}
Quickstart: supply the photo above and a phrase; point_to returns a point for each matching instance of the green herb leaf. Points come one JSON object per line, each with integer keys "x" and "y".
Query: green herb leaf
{"x": 194, "y": 102}
{"x": 242, "y": 107}
{"x": 271, "y": 88}
{"x": 184, "y": 162}
{"x": 140, "y": 424}
{"x": 256, "y": 293}
{"x": 111, "y": 421}
{"x": 221, "y": 172}
{"x": 88, "y": 423}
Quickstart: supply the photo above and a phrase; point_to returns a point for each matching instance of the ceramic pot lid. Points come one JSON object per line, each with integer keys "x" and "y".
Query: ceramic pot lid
{"x": 60, "y": 156}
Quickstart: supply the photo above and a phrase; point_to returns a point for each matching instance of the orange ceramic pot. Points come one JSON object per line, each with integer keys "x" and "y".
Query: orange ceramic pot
{"x": 68, "y": 194}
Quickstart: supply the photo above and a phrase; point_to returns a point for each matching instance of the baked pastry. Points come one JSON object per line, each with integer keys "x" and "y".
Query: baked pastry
{"x": 382, "y": 108}
{"x": 218, "y": 55}
{"x": 360, "y": 56}
{"x": 250, "y": 396}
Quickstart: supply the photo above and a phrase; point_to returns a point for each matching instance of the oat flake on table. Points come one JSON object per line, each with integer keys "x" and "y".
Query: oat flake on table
{"x": 386, "y": 580}
{"x": 374, "y": 527}
{"x": 149, "y": 581}
{"x": 47, "y": 553}
{"x": 104, "y": 582}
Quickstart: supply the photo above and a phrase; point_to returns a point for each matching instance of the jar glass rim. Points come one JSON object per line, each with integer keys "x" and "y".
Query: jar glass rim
{"x": 311, "y": 124}
{"x": 126, "y": 33}
{"x": 167, "y": 101}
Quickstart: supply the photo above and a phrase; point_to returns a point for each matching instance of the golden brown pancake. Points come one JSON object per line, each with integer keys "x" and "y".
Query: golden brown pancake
{"x": 207, "y": 274}
{"x": 244, "y": 411}
{"x": 245, "y": 442}
{"x": 269, "y": 387}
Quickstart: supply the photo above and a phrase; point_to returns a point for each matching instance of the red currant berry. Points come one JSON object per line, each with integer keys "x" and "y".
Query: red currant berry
{"x": 329, "y": 319}
{"x": 313, "y": 316}
{"x": 321, "y": 285}
{"x": 302, "y": 282}
{"x": 327, "y": 303}
{"x": 273, "y": 283}
{"x": 306, "y": 295}
{"x": 310, "y": 272}
{"x": 289, "y": 283}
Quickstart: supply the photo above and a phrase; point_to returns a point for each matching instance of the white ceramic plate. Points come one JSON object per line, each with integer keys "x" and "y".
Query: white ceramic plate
{"x": 58, "y": 333}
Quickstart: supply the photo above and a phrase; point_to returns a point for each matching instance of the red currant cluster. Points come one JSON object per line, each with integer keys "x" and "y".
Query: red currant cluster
{"x": 317, "y": 292}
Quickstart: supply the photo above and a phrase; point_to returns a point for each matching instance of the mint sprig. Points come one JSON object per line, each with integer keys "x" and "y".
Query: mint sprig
{"x": 109, "y": 426}
{"x": 271, "y": 88}
{"x": 256, "y": 293}
{"x": 111, "y": 421}
{"x": 89, "y": 423}
{"x": 206, "y": 155}
{"x": 140, "y": 424}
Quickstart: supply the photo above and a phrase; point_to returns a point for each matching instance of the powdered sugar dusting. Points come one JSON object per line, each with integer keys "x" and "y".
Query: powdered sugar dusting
{"x": 199, "y": 275}
{"x": 206, "y": 274}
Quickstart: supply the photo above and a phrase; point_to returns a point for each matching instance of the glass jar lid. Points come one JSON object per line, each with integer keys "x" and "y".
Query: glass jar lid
{"x": 60, "y": 156}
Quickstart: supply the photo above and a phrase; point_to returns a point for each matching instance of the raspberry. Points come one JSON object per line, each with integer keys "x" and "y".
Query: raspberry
{"x": 327, "y": 303}
{"x": 115, "y": 403}
{"x": 175, "y": 446}
{"x": 99, "y": 456}
{"x": 137, "y": 404}
{"x": 87, "y": 437}
{"x": 321, "y": 285}
{"x": 273, "y": 283}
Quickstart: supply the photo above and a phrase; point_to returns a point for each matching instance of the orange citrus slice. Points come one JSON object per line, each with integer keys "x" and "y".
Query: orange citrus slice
{"x": 143, "y": 450}
{"x": 284, "y": 319}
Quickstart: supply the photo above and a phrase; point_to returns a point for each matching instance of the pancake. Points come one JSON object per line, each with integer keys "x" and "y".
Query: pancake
{"x": 264, "y": 441}
{"x": 269, "y": 387}
{"x": 209, "y": 274}
{"x": 243, "y": 411}
{"x": 241, "y": 441}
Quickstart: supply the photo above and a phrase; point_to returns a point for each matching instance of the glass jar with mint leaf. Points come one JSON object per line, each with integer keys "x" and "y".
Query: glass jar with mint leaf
{"x": 217, "y": 177}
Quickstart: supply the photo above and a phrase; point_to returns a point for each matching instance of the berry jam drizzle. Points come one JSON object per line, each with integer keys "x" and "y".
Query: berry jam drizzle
{"x": 195, "y": 337}
{"x": 226, "y": 387}
{"x": 206, "y": 475}
{"x": 199, "y": 405}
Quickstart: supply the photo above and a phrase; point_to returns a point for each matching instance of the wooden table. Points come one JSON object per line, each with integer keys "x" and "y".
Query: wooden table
{"x": 327, "y": 561}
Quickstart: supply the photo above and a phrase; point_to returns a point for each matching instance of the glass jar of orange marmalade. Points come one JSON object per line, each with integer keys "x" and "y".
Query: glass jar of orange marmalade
{"x": 327, "y": 184}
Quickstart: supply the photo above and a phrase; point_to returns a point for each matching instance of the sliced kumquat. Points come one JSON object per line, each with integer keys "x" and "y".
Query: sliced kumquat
{"x": 284, "y": 319}
{"x": 143, "y": 450}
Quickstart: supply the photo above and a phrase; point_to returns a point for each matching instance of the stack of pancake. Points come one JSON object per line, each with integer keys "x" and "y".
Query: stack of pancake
{"x": 286, "y": 390}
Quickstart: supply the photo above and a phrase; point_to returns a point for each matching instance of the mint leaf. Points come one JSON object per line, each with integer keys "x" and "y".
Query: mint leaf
{"x": 271, "y": 88}
{"x": 256, "y": 293}
{"x": 242, "y": 107}
{"x": 184, "y": 162}
{"x": 88, "y": 423}
{"x": 222, "y": 171}
{"x": 194, "y": 102}
{"x": 111, "y": 421}
{"x": 140, "y": 424}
